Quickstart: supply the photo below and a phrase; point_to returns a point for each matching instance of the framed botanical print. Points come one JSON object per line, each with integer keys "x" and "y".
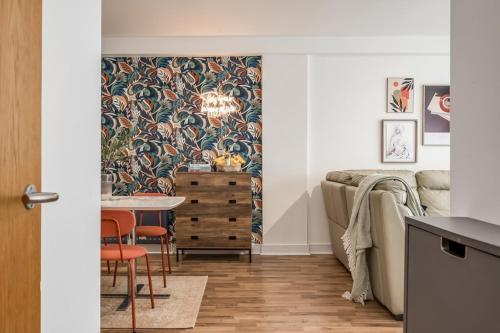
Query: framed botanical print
{"x": 399, "y": 141}
{"x": 436, "y": 115}
{"x": 400, "y": 95}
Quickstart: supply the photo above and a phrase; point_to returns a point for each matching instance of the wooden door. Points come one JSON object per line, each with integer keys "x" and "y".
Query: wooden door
{"x": 20, "y": 104}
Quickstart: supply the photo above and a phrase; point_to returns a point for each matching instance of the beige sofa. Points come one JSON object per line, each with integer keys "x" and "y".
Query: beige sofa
{"x": 387, "y": 207}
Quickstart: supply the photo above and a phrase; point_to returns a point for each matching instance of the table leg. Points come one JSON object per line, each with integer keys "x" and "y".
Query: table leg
{"x": 139, "y": 286}
{"x": 130, "y": 241}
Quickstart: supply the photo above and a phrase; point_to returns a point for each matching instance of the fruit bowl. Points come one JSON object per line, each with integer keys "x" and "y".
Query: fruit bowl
{"x": 229, "y": 168}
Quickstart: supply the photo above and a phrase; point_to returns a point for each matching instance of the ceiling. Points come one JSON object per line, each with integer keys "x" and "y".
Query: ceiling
{"x": 275, "y": 17}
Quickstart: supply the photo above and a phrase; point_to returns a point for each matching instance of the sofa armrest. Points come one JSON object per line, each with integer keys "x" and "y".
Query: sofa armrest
{"x": 335, "y": 202}
{"x": 386, "y": 258}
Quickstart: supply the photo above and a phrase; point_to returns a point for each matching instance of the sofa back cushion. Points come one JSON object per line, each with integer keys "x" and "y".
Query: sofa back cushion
{"x": 354, "y": 177}
{"x": 407, "y": 175}
{"x": 434, "y": 191}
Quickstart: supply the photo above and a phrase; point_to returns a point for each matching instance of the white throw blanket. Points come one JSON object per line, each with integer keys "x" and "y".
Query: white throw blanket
{"x": 357, "y": 238}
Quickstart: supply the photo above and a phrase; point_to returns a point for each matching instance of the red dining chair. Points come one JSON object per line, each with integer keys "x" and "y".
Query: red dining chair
{"x": 156, "y": 231}
{"x": 116, "y": 224}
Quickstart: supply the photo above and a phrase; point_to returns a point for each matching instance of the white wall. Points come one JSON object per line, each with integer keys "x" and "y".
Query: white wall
{"x": 347, "y": 104}
{"x": 275, "y": 17}
{"x": 70, "y": 166}
{"x": 475, "y": 69}
{"x": 212, "y": 46}
{"x": 284, "y": 105}
{"x": 311, "y": 97}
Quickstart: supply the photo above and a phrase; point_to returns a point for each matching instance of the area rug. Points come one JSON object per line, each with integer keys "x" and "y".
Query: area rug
{"x": 178, "y": 311}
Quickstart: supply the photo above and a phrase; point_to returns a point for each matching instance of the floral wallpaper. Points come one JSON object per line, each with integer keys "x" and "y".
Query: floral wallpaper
{"x": 158, "y": 100}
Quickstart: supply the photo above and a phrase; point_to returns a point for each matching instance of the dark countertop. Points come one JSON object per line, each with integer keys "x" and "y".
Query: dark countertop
{"x": 474, "y": 233}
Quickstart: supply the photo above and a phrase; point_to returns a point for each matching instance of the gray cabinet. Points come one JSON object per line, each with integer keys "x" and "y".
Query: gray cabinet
{"x": 452, "y": 276}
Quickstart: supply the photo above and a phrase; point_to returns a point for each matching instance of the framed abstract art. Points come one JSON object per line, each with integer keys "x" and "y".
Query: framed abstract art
{"x": 399, "y": 141}
{"x": 400, "y": 95}
{"x": 436, "y": 115}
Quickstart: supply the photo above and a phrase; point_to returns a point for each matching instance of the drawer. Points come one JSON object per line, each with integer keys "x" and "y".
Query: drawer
{"x": 455, "y": 279}
{"x": 211, "y": 188}
{"x": 210, "y": 241}
{"x": 213, "y": 210}
{"x": 212, "y": 180}
{"x": 213, "y": 232}
{"x": 242, "y": 223}
{"x": 221, "y": 197}
{"x": 213, "y": 228}
{"x": 223, "y": 231}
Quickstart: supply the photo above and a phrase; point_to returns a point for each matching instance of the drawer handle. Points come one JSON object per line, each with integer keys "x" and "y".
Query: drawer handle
{"x": 453, "y": 248}
{"x": 194, "y": 237}
{"x": 194, "y": 183}
{"x": 232, "y": 201}
{"x": 232, "y": 219}
{"x": 194, "y": 219}
{"x": 232, "y": 183}
{"x": 194, "y": 201}
{"x": 232, "y": 237}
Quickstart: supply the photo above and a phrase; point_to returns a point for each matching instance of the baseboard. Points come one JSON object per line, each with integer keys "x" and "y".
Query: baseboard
{"x": 285, "y": 249}
{"x": 264, "y": 249}
{"x": 155, "y": 248}
{"x": 320, "y": 248}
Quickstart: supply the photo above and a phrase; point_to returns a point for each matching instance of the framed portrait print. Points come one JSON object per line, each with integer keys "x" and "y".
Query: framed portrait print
{"x": 436, "y": 115}
{"x": 399, "y": 141}
{"x": 400, "y": 95}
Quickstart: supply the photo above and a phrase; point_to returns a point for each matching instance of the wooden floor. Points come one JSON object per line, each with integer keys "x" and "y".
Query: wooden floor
{"x": 279, "y": 294}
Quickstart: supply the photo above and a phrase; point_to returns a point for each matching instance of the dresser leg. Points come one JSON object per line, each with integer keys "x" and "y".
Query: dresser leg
{"x": 250, "y": 255}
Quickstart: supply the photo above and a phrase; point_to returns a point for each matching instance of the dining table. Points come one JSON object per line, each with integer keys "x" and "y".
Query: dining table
{"x": 138, "y": 203}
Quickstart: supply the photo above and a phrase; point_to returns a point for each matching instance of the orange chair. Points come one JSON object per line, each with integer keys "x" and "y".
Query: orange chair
{"x": 155, "y": 231}
{"x": 116, "y": 224}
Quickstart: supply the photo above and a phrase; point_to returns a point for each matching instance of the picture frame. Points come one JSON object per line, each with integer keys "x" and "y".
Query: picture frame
{"x": 436, "y": 115}
{"x": 399, "y": 140}
{"x": 400, "y": 95}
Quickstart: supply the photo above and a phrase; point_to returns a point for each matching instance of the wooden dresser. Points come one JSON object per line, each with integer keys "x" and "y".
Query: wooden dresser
{"x": 217, "y": 213}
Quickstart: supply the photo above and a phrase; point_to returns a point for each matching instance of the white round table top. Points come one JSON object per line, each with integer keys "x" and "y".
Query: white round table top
{"x": 141, "y": 203}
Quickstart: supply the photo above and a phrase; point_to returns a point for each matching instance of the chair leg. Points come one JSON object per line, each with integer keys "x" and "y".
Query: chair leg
{"x": 107, "y": 261}
{"x": 163, "y": 262}
{"x": 151, "y": 296}
{"x": 131, "y": 267}
{"x": 167, "y": 243}
{"x": 114, "y": 273}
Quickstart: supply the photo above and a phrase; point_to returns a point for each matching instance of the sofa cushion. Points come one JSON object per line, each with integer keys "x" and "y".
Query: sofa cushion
{"x": 354, "y": 177}
{"x": 435, "y": 179}
{"x": 396, "y": 188}
{"x": 434, "y": 191}
{"x": 343, "y": 177}
{"x": 407, "y": 175}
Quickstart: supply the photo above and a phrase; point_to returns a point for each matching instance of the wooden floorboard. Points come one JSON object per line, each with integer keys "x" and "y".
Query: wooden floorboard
{"x": 279, "y": 294}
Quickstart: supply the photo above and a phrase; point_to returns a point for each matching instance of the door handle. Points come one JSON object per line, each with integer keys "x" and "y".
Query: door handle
{"x": 31, "y": 197}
